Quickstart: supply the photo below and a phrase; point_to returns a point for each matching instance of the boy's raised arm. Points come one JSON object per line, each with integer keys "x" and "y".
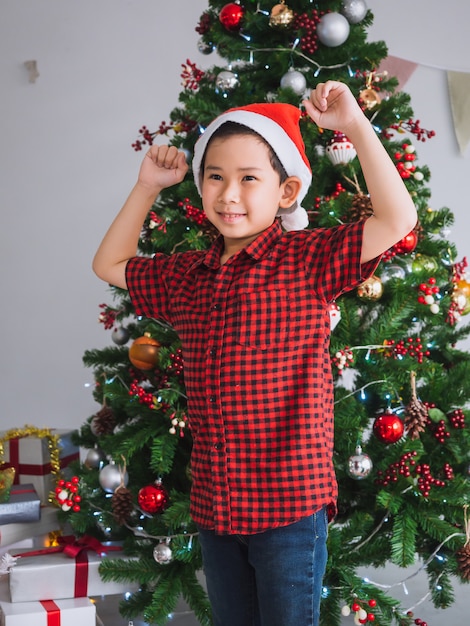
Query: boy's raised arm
{"x": 332, "y": 105}
{"x": 162, "y": 166}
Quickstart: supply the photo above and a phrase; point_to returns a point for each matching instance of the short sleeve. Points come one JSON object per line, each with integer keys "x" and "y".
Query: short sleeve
{"x": 146, "y": 285}
{"x": 334, "y": 260}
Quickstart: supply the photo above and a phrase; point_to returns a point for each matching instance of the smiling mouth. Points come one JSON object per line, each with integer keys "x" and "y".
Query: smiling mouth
{"x": 231, "y": 217}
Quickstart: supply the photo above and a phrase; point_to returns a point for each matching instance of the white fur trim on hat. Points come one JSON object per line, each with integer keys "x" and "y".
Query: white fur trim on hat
{"x": 282, "y": 144}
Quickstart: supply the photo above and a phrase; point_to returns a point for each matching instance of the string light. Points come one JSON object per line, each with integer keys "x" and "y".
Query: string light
{"x": 294, "y": 51}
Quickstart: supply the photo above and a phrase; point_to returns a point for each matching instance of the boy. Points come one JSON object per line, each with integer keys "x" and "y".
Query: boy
{"x": 252, "y": 315}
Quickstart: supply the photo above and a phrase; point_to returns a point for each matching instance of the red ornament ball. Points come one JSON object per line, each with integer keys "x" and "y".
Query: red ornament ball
{"x": 231, "y": 15}
{"x": 407, "y": 244}
{"x": 153, "y": 498}
{"x": 388, "y": 427}
{"x": 144, "y": 352}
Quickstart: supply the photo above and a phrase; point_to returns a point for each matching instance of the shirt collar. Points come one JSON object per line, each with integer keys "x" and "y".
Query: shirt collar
{"x": 256, "y": 250}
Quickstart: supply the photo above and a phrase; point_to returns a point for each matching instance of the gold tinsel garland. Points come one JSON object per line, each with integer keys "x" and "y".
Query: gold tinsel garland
{"x": 40, "y": 433}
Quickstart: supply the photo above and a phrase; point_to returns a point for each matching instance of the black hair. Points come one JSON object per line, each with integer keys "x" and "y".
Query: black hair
{"x": 232, "y": 129}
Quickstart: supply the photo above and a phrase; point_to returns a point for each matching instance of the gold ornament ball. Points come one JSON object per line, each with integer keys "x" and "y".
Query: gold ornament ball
{"x": 144, "y": 352}
{"x": 464, "y": 287}
{"x": 281, "y": 15}
{"x": 371, "y": 289}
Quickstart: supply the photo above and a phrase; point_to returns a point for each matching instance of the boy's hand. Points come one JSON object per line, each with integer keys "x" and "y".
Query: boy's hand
{"x": 163, "y": 166}
{"x": 332, "y": 105}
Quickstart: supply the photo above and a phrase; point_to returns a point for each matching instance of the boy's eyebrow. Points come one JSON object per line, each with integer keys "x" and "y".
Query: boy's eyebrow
{"x": 240, "y": 169}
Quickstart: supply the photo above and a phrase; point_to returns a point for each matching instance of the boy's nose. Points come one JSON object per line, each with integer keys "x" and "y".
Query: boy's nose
{"x": 229, "y": 192}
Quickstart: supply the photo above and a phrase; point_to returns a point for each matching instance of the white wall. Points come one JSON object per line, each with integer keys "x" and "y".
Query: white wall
{"x": 107, "y": 67}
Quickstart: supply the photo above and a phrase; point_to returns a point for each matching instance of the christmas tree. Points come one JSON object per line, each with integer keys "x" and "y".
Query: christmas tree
{"x": 400, "y": 381}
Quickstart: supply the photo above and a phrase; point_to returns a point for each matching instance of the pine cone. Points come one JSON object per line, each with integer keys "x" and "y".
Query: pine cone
{"x": 463, "y": 559}
{"x": 416, "y": 417}
{"x": 361, "y": 207}
{"x": 122, "y": 504}
{"x": 103, "y": 422}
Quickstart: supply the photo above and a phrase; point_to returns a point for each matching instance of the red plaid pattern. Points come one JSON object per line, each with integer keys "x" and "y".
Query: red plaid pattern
{"x": 255, "y": 336}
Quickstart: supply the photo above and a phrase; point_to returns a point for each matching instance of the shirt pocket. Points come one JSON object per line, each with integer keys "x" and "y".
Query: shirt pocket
{"x": 263, "y": 318}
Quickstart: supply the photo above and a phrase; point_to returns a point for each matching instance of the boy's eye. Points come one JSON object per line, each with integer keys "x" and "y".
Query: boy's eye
{"x": 249, "y": 177}
{"x": 215, "y": 177}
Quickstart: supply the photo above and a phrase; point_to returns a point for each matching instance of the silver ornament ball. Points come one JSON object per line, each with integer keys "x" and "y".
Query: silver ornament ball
{"x": 393, "y": 271}
{"x": 359, "y": 465}
{"x": 94, "y": 458}
{"x": 120, "y": 335}
{"x": 162, "y": 554}
{"x": 205, "y": 48}
{"x": 226, "y": 81}
{"x": 110, "y": 477}
{"x": 294, "y": 80}
{"x": 333, "y": 29}
{"x": 354, "y": 10}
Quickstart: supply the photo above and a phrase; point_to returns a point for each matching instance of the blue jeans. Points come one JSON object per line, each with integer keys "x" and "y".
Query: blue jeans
{"x": 272, "y": 578}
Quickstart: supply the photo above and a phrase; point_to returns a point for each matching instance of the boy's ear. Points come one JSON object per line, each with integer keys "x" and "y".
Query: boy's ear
{"x": 290, "y": 190}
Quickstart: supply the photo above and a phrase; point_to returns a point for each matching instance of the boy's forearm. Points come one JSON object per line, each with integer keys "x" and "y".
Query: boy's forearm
{"x": 121, "y": 240}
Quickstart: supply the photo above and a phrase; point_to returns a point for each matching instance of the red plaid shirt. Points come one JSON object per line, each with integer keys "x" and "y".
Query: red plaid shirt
{"x": 255, "y": 338}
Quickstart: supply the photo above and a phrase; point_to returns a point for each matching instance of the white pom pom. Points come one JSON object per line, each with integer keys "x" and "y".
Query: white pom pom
{"x": 298, "y": 220}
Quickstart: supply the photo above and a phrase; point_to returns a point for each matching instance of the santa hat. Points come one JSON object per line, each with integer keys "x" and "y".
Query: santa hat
{"x": 278, "y": 125}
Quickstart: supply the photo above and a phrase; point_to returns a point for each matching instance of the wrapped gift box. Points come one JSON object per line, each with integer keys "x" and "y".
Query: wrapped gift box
{"x": 54, "y": 575}
{"x": 23, "y": 506}
{"x": 30, "y": 456}
{"x": 13, "y": 533}
{"x": 77, "y": 612}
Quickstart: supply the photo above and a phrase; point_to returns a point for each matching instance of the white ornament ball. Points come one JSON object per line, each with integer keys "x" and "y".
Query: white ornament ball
{"x": 354, "y": 10}
{"x": 434, "y": 308}
{"x": 226, "y": 81}
{"x": 110, "y": 477}
{"x": 345, "y": 611}
{"x": 333, "y": 29}
{"x": 294, "y": 80}
{"x": 162, "y": 553}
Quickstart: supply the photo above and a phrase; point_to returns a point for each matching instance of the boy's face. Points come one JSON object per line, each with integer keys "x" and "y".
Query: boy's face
{"x": 241, "y": 192}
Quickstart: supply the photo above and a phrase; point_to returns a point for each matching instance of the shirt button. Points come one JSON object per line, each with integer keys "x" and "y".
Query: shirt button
{"x": 217, "y": 446}
{"x": 216, "y": 307}
{"x": 212, "y": 352}
{"x": 211, "y": 398}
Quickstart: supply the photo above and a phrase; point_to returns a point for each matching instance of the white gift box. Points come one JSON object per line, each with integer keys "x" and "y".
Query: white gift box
{"x": 70, "y": 612}
{"x": 55, "y": 575}
{"x": 30, "y": 456}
